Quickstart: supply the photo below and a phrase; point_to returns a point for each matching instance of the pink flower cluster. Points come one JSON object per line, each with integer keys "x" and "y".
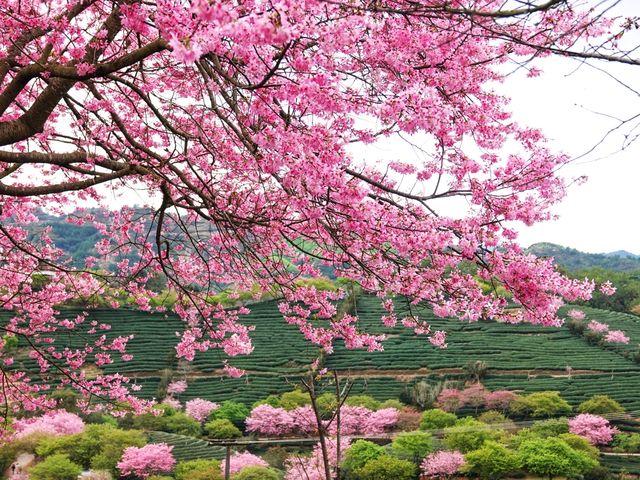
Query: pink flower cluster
{"x": 312, "y": 467}
{"x": 199, "y": 408}
{"x": 593, "y": 427}
{"x": 177, "y": 387}
{"x": 153, "y": 458}
{"x": 442, "y": 464}
{"x": 576, "y": 314}
{"x": 616, "y": 336}
{"x": 243, "y": 460}
{"x": 354, "y": 420}
{"x": 597, "y": 327}
{"x": 59, "y": 422}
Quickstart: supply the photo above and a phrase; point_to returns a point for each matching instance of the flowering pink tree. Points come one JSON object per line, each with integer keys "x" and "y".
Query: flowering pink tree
{"x": 270, "y": 421}
{"x": 243, "y": 460}
{"x": 450, "y": 399}
{"x": 597, "y": 327}
{"x": 177, "y": 387}
{"x": 500, "y": 399}
{"x": 153, "y": 458}
{"x": 312, "y": 467}
{"x": 199, "y": 408}
{"x": 593, "y": 427}
{"x": 237, "y": 121}
{"x": 59, "y": 422}
{"x": 442, "y": 464}
{"x": 616, "y": 336}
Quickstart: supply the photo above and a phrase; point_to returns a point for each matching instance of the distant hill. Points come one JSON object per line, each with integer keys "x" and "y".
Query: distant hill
{"x": 572, "y": 259}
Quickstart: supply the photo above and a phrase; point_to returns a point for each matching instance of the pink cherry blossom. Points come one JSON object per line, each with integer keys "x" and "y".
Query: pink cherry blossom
{"x": 59, "y": 422}
{"x": 616, "y": 336}
{"x": 593, "y": 427}
{"x": 199, "y": 408}
{"x": 597, "y": 327}
{"x": 243, "y": 460}
{"x": 152, "y": 459}
{"x": 442, "y": 464}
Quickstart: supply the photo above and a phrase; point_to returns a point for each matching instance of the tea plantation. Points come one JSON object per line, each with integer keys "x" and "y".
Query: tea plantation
{"x": 520, "y": 357}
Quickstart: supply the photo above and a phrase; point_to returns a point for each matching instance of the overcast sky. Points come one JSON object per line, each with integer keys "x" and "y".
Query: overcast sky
{"x": 569, "y": 102}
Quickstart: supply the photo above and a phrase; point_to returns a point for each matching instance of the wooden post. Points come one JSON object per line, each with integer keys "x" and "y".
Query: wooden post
{"x": 227, "y": 463}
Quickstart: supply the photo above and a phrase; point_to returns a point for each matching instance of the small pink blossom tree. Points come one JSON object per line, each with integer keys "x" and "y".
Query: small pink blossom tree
{"x": 450, "y": 399}
{"x": 500, "y": 400}
{"x": 597, "y": 327}
{"x": 153, "y": 458}
{"x": 243, "y": 460}
{"x": 616, "y": 336}
{"x": 199, "y": 408}
{"x": 59, "y": 422}
{"x": 442, "y": 464}
{"x": 593, "y": 427}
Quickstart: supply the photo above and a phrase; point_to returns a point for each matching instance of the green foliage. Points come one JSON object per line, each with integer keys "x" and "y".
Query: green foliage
{"x": 256, "y": 473}
{"x": 491, "y": 461}
{"x": 357, "y": 456}
{"x": 423, "y": 394}
{"x": 413, "y": 446}
{"x": 627, "y": 288}
{"x": 10, "y": 344}
{"x": 222, "y": 428}
{"x": 294, "y": 399}
{"x": 627, "y": 443}
{"x": 551, "y": 427}
{"x": 580, "y": 443}
{"x": 476, "y": 370}
{"x": 362, "y": 401}
{"x": 273, "y": 400}
{"x": 198, "y": 469}
{"x": 469, "y": 434}
{"x": 171, "y": 422}
{"x": 276, "y": 457}
{"x": 391, "y": 403}
{"x": 600, "y": 405}
{"x": 161, "y": 477}
{"x": 235, "y": 412}
{"x": 387, "y": 468}
{"x": 55, "y": 467}
{"x": 552, "y": 457}
{"x": 540, "y": 405}
{"x": 112, "y": 442}
{"x": 326, "y": 403}
{"x": 435, "y": 419}
{"x": 100, "y": 446}
{"x": 493, "y": 417}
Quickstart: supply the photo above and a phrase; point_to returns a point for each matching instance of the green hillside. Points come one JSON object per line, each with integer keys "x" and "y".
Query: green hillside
{"x": 520, "y": 357}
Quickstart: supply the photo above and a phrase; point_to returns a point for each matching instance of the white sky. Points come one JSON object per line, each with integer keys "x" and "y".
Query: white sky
{"x": 601, "y": 215}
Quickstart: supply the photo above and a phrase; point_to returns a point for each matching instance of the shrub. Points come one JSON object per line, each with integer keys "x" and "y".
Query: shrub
{"x": 413, "y": 446}
{"x": 387, "y": 468}
{"x": 392, "y": 403}
{"x": 493, "y": 417}
{"x": 55, "y": 467}
{"x": 293, "y": 399}
{"x": 357, "y": 456}
{"x": 492, "y": 460}
{"x": 598, "y": 473}
{"x": 272, "y": 400}
{"x": 408, "y": 419}
{"x": 551, "y": 427}
{"x": 627, "y": 442}
{"x": 256, "y": 473}
{"x": 477, "y": 370}
{"x": 436, "y": 419}
{"x": 442, "y": 464}
{"x": 599, "y": 405}
{"x": 540, "y": 405}
{"x": 580, "y": 443}
{"x": 235, "y": 412}
{"x": 222, "y": 428}
{"x": 276, "y": 457}
{"x": 552, "y": 457}
{"x": 143, "y": 462}
{"x": 469, "y": 434}
{"x": 176, "y": 422}
{"x": 362, "y": 401}
{"x": 198, "y": 469}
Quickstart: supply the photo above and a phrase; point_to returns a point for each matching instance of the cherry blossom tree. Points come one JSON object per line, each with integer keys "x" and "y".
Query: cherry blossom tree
{"x": 242, "y": 460}
{"x": 239, "y": 123}
{"x": 59, "y": 422}
{"x": 153, "y": 458}
{"x": 442, "y": 464}
{"x": 199, "y": 408}
{"x": 593, "y": 427}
